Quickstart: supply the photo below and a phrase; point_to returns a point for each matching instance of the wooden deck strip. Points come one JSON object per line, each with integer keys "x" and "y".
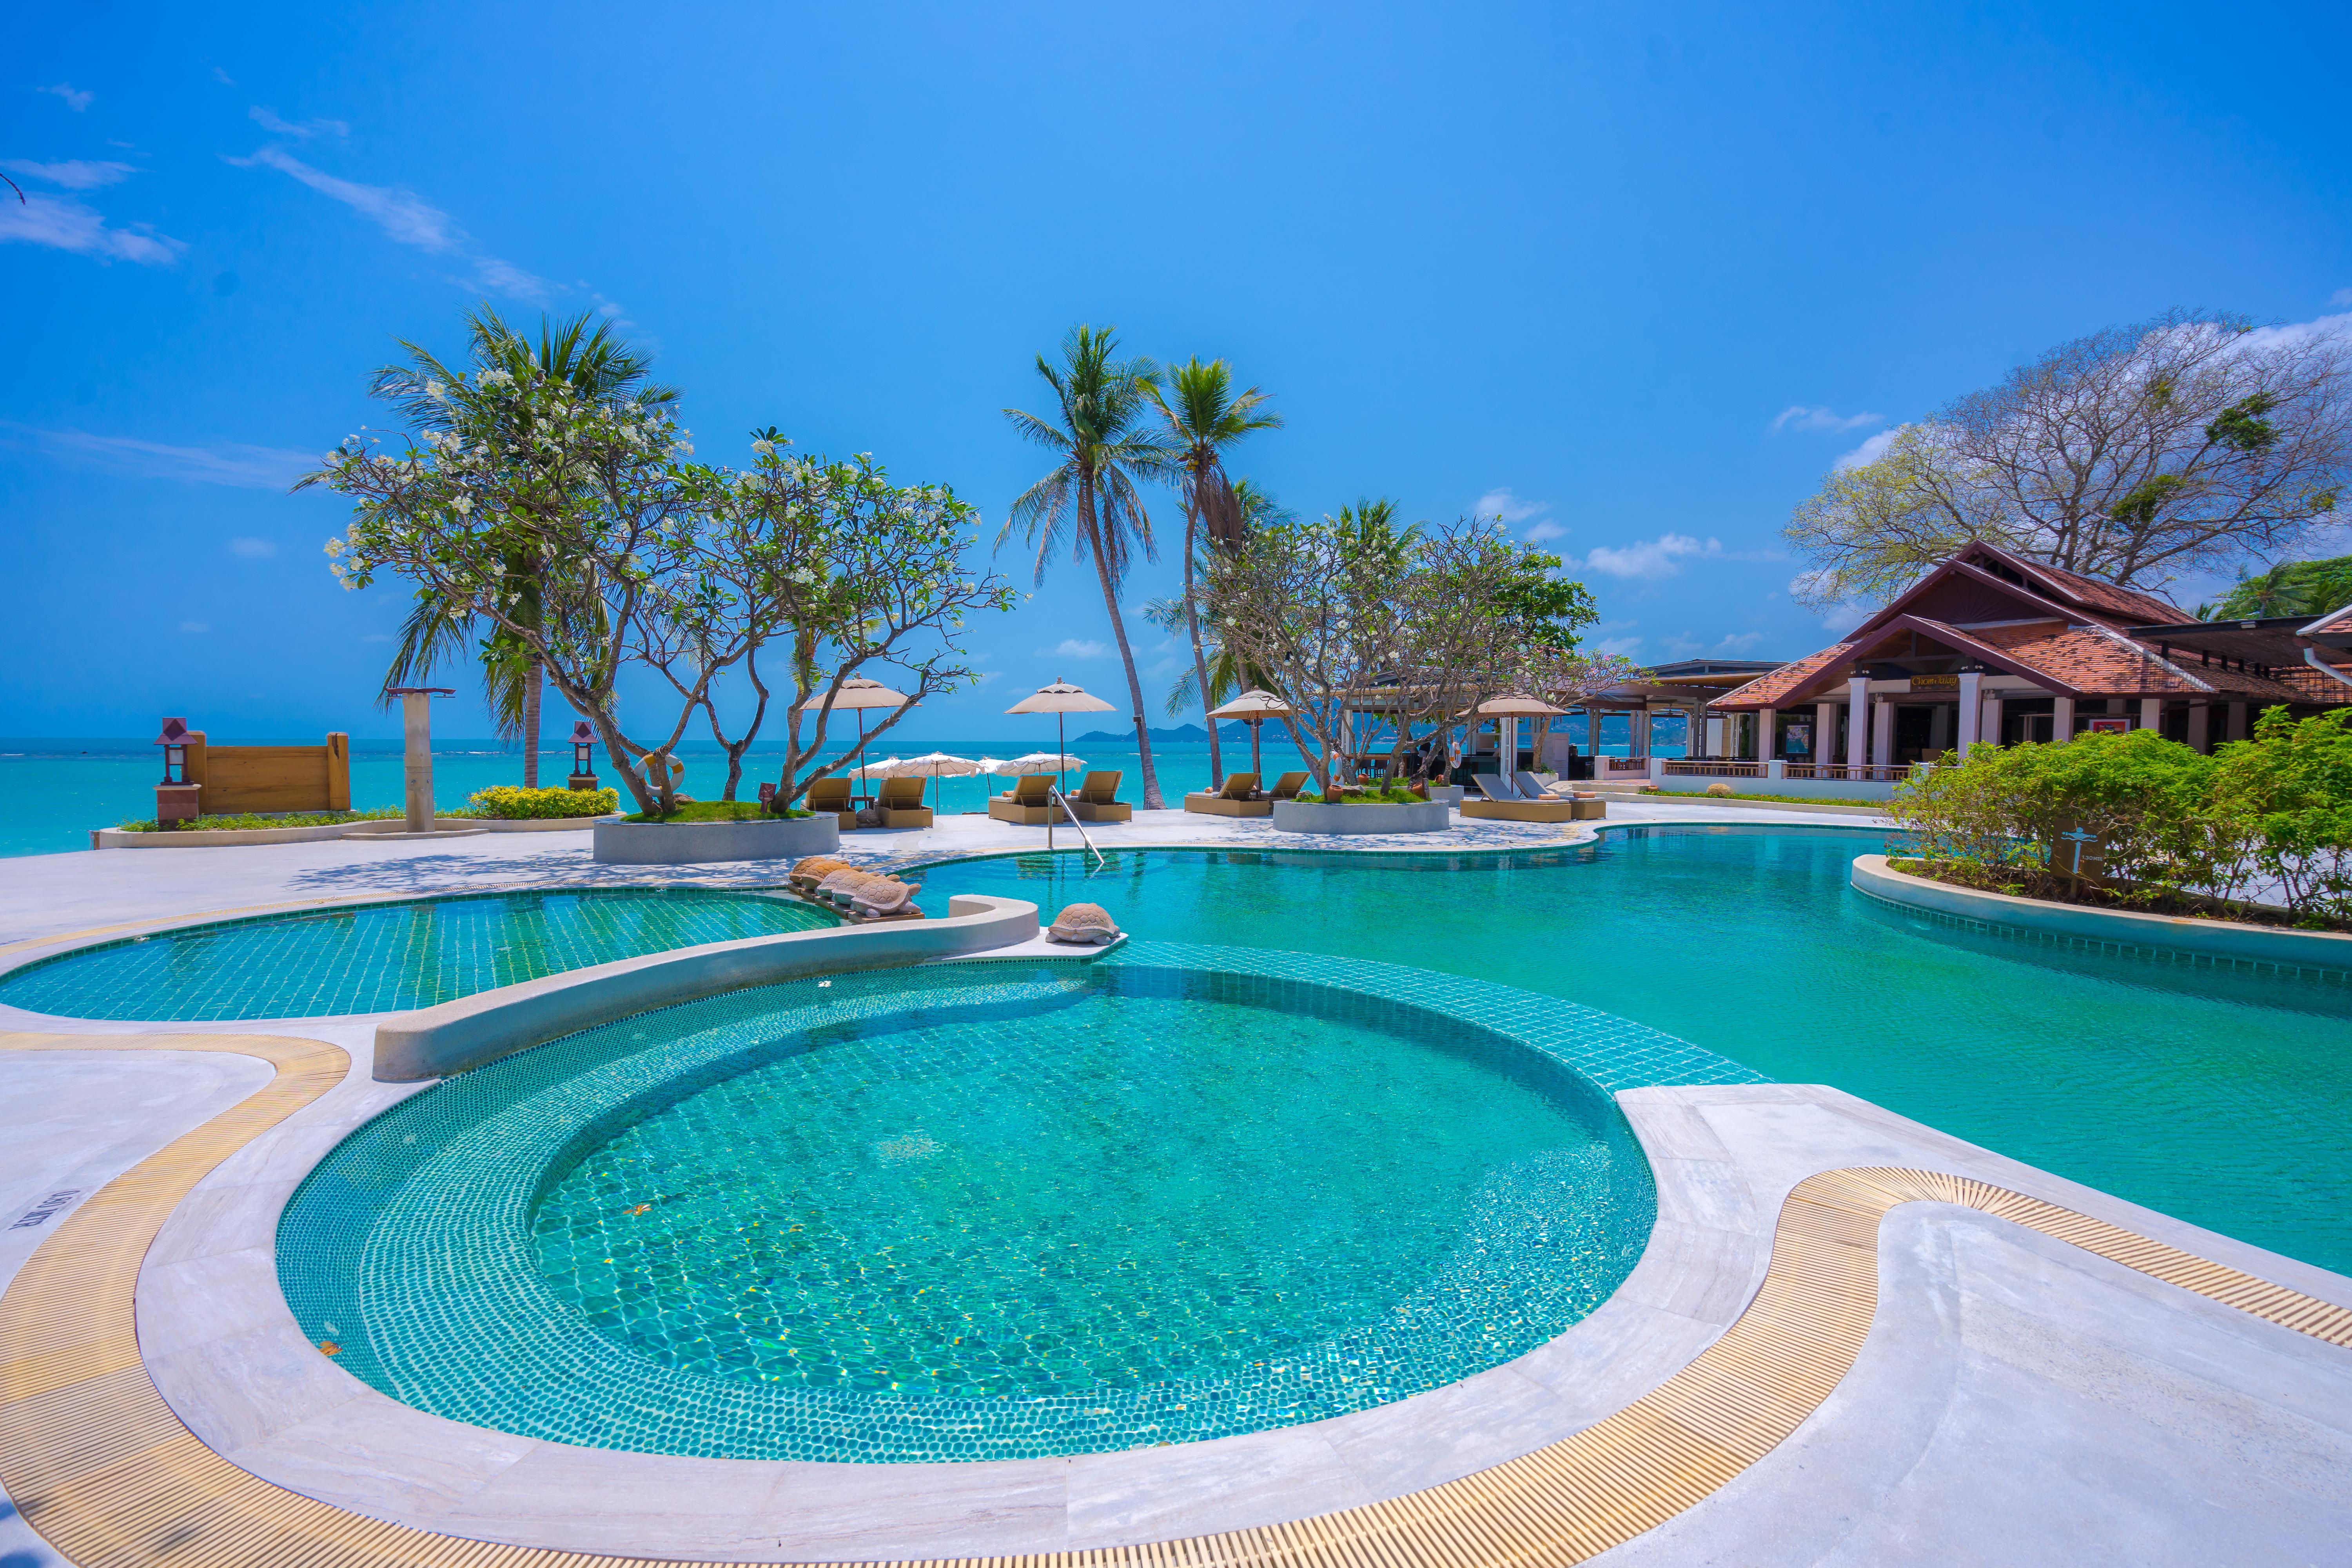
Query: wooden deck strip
{"x": 99, "y": 1465}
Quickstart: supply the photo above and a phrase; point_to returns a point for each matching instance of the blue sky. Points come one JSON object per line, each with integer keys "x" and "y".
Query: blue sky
{"x": 1636, "y": 276}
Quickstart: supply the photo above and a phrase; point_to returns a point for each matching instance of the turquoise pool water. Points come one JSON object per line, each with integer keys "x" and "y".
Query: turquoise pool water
{"x": 2221, "y": 1098}
{"x": 980, "y": 1212}
{"x": 386, "y": 957}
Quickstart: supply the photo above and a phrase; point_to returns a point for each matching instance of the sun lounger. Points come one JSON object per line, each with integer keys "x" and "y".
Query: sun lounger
{"x": 1097, "y": 799}
{"x": 1531, "y": 787}
{"x": 900, "y": 804}
{"x": 1028, "y": 802}
{"x": 1240, "y": 797}
{"x": 831, "y": 794}
{"x": 1287, "y": 786}
{"x": 1492, "y": 797}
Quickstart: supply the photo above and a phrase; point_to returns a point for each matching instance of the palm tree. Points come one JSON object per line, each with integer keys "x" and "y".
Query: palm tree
{"x": 1205, "y": 416}
{"x": 1090, "y": 497}
{"x": 600, "y": 365}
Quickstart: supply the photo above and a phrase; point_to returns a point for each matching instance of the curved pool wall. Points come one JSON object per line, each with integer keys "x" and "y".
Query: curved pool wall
{"x": 455, "y": 1306}
{"x": 2213, "y": 1095}
{"x": 385, "y": 957}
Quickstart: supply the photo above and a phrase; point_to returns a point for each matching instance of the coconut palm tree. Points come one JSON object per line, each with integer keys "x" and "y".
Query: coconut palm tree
{"x": 600, "y": 365}
{"x": 1090, "y": 498}
{"x": 1204, "y": 417}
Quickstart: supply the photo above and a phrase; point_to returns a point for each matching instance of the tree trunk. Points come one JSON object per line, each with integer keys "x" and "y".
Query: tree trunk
{"x": 1192, "y": 624}
{"x": 534, "y": 679}
{"x": 1152, "y": 797}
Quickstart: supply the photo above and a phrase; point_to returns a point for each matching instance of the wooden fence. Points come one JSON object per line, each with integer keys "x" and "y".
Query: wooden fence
{"x": 237, "y": 779}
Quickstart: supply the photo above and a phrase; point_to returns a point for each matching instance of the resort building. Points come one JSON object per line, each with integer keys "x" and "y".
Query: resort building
{"x": 1996, "y": 647}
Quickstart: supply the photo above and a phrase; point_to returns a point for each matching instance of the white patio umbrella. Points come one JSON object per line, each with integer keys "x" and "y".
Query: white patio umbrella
{"x": 1509, "y": 710}
{"x": 1256, "y": 707}
{"x": 934, "y": 766}
{"x": 871, "y": 771}
{"x": 857, "y": 694}
{"x": 1038, "y": 763}
{"x": 1061, "y": 699}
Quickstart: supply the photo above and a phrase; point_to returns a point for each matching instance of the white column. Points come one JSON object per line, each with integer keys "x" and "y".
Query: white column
{"x": 2151, "y": 712}
{"x": 2062, "y": 721}
{"x": 1768, "y": 734}
{"x": 1990, "y": 732}
{"x": 416, "y": 725}
{"x": 2237, "y": 730}
{"x": 1882, "y": 733}
{"x": 1971, "y": 709}
{"x": 2200, "y": 726}
{"x": 1714, "y": 736}
{"x": 1857, "y": 720}
{"x": 1825, "y": 731}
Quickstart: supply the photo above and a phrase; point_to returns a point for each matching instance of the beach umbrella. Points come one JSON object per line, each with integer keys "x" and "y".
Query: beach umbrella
{"x": 1256, "y": 707}
{"x": 871, "y": 771}
{"x": 1509, "y": 710}
{"x": 1060, "y": 699}
{"x": 1038, "y": 763}
{"x": 934, "y": 766}
{"x": 857, "y": 694}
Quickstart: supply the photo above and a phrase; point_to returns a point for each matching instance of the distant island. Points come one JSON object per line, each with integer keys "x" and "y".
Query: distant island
{"x": 1235, "y": 730}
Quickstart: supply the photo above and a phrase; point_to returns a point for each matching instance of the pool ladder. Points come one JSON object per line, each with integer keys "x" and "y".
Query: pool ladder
{"x": 1054, "y": 793}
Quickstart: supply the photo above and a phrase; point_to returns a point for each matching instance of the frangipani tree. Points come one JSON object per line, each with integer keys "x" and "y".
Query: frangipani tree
{"x": 651, "y": 558}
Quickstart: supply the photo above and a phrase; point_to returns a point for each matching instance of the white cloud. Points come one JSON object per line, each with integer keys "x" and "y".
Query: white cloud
{"x": 65, "y": 223}
{"x": 267, "y": 120}
{"x": 1797, "y": 416}
{"x": 1870, "y": 451}
{"x": 222, "y": 77}
{"x": 1500, "y": 502}
{"x": 1659, "y": 557}
{"x": 77, "y": 101}
{"x": 1545, "y": 530}
{"x": 234, "y": 464}
{"x": 407, "y": 218}
{"x": 257, "y": 549}
{"x": 1072, "y": 648}
{"x": 1739, "y": 642}
{"x": 73, "y": 174}
{"x": 1622, "y": 647}
{"x": 197, "y": 627}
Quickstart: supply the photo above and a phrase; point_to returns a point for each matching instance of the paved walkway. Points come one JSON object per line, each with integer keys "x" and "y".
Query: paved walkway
{"x": 49, "y": 895}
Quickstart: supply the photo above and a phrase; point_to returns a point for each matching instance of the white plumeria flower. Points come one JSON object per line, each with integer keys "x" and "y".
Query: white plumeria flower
{"x": 765, "y": 448}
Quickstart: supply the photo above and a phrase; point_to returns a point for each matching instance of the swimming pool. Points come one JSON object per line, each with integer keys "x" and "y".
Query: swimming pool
{"x": 388, "y": 957}
{"x": 2219, "y": 1097}
{"x": 975, "y": 1211}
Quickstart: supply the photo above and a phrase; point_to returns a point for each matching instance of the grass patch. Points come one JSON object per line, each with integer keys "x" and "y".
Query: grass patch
{"x": 1385, "y": 794}
{"x": 717, "y": 811}
{"x": 1778, "y": 799}
{"x": 245, "y": 821}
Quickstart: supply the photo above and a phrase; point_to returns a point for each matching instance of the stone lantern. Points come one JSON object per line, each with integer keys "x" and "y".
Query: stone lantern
{"x": 584, "y": 770}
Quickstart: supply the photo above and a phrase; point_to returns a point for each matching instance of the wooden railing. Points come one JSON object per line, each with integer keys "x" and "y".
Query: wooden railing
{"x": 1714, "y": 768}
{"x": 1869, "y": 772}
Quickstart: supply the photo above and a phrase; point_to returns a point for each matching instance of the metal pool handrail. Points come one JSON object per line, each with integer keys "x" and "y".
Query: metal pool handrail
{"x": 1054, "y": 792}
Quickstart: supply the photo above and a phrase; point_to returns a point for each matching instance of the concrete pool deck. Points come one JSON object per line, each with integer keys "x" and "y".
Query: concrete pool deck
{"x": 2015, "y": 1399}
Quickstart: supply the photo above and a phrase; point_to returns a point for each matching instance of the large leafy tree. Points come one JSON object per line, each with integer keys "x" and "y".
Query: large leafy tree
{"x": 2290, "y": 588}
{"x": 1205, "y": 418}
{"x": 2137, "y": 453}
{"x": 1090, "y": 502}
{"x": 589, "y": 356}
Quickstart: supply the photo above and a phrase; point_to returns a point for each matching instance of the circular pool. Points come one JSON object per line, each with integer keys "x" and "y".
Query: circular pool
{"x": 973, "y": 1212}
{"x": 386, "y": 957}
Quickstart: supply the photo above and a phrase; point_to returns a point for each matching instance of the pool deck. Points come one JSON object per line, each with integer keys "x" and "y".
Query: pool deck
{"x": 2017, "y": 1398}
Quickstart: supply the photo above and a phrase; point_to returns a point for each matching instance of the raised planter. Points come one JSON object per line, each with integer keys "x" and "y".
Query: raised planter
{"x": 1446, "y": 794}
{"x": 701, "y": 843}
{"x": 2230, "y": 940}
{"x": 1421, "y": 816}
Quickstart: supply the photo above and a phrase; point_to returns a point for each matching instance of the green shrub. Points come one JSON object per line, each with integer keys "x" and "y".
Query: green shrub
{"x": 2290, "y": 790}
{"x": 245, "y": 821}
{"x": 511, "y": 804}
{"x": 718, "y": 811}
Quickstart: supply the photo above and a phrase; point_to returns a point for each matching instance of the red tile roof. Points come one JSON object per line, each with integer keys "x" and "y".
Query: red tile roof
{"x": 2134, "y": 606}
{"x": 1766, "y": 690}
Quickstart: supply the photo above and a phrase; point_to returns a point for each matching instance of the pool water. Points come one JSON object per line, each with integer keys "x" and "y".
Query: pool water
{"x": 2219, "y": 1097}
{"x": 390, "y": 957}
{"x": 980, "y": 1212}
